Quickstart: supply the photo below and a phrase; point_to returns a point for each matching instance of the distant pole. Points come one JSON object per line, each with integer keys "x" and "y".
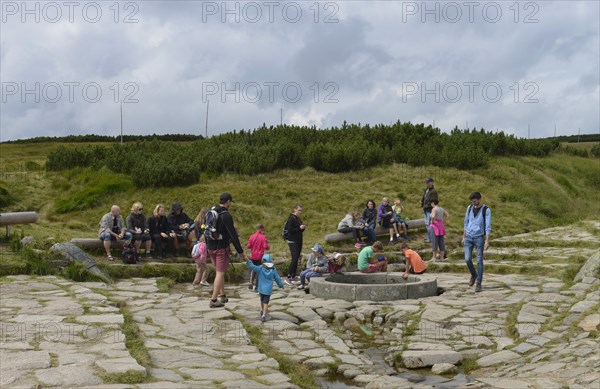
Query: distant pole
{"x": 206, "y": 124}
{"x": 578, "y": 134}
{"x": 528, "y": 131}
{"x": 433, "y": 123}
{"x": 555, "y": 130}
{"x": 467, "y": 124}
{"x": 121, "y": 123}
{"x": 281, "y": 116}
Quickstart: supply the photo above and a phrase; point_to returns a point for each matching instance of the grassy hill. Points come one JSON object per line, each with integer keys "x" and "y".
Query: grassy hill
{"x": 525, "y": 194}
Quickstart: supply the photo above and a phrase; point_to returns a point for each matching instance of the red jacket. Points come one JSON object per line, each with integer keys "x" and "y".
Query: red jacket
{"x": 258, "y": 243}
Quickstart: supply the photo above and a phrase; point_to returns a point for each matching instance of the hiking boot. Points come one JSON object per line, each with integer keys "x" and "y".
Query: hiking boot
{"x": 223, "y": 298}
{"x": 216, "y": 304}
{"x": 300, "y": 287}
{"x": 288, "y": 281}
{"x": 478, "y": 288}
{"x": 250, "y": 286}
{"x": 472, "y": 280}
{"x": 263, "y": 318}
{"x": 204, "y": 283}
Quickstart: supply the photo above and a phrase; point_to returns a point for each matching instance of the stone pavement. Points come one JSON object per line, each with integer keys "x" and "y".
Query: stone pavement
{"x": 521, "y": 331}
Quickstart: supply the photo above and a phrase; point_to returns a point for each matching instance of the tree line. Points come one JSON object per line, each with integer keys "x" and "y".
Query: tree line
{"x": 156, "y": 163}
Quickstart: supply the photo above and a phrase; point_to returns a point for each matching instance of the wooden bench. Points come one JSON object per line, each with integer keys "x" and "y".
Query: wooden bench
{"x": 9, "y": 218}
{"x": 340, "y": 236}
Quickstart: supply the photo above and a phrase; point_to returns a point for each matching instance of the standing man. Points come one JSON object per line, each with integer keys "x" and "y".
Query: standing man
{"x": 218, "y": 249}
{"x": 292, "y": 233}
{"x": 478, "y": 227}
{"x": 429, "y": 194}
{"x": 112, "y": 227}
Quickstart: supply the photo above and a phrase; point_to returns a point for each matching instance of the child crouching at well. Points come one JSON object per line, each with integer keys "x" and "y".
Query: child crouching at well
{"x": 266, "y": 274}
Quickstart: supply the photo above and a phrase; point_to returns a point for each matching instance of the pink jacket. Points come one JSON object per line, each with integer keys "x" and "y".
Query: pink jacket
{"x": 258, "y": 243}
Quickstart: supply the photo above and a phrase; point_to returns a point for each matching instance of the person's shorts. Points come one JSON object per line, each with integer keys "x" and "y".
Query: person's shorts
{"x": 411, "y": 271}
{"x": 220, "y": 259}
{"x": 265, "y": 298}
{"x": 373, "y": 267}
{"x": 107, "y": 236}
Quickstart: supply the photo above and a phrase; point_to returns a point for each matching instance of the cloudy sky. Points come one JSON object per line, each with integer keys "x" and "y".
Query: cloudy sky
{"x": 67, "y": 67}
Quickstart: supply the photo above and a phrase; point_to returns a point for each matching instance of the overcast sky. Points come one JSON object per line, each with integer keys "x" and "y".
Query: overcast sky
{"x": 66, "y": 67}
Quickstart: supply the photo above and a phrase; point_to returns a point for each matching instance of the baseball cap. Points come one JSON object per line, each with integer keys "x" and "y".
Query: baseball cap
{"x": 429, "y": 179}
{"x": 225, "y": 197}
{"x": 317, "y": 248}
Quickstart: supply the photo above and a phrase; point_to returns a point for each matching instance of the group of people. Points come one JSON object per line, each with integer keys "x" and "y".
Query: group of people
{"x": 166, "y": 232}
{"x": 176, "y": 229}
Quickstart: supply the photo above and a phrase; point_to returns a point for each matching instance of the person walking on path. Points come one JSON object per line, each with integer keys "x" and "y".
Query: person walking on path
{"x": 218, "y": 249}
{"x": 477, "y": 230}
{"x": 438, "y": 224}
{"x": 429, "y": 194}
{"x": 266, "y": 274}
{"x": 292, "y": 233}
{"x": 258, "y": 244}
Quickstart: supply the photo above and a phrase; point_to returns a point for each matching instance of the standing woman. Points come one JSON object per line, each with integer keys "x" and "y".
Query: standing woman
{"x": 369, "y": 216}
{"x": 137, "y": 225}
{"x": 292, "y": 233}
{"x": 160, "y": 231}
{"x": 438, "y": 226}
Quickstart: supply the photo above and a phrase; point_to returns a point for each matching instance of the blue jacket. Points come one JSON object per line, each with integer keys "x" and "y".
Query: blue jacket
{"x": 474, "y": 225}
{"x": 266, "y": 278}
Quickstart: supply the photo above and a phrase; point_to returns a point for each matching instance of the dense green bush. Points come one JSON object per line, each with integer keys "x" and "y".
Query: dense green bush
{"x": 5, "y": 198}
{"x": 154, "y": 163}
{"x": 595, "y": 151}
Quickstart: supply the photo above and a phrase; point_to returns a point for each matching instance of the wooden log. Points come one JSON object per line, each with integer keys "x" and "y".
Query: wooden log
{"x": 9, "y": 218}
{"x": 96, "y": 243}
{"x": 339, "y": 236}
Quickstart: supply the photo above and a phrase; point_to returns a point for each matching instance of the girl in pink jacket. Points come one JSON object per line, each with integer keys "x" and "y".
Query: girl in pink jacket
{"x": 258, "y": 244}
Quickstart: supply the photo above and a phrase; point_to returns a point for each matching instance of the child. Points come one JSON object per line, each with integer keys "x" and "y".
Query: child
{"x": 367, "y": 263}
{"x": 337, "y": 263}
{"x": 438, "y": 223}
{"x": 315, "y": 266}
{"x": 414, "y": 263}
{"x": 398, "y": 209}
{"x": 199, "y": 253}
{"x": 257, "y": 243}
{"x": 266, "y": 275}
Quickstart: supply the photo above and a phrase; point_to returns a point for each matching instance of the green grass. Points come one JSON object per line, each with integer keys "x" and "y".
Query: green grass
{"x": 511, "y": 321}
{"x": 134, "y": 339}
{"x": 164, "y": 284}
{"x": 525, "y": 194}
{"x": 469, "y": 364}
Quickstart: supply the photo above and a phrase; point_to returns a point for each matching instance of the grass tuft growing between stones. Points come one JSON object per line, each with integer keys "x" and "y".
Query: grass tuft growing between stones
{"x": 128, "y": 377}
{"x": 469, "y": 364}
{"x": 134, "y": 340}
{"x": 299, "y": 374}
{"x": 164, "y": 284}
{"x": 511, "y": 321}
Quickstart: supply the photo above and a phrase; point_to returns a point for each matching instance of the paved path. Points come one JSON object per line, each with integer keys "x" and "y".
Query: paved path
{"x": 520, "y": 331}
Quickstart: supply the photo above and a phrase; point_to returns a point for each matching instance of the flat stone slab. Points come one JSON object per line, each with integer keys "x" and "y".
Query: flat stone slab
{"x": 106, "y": 318}
{"x": 583, "y": 306}
{"x": 212, "y": 374}
{"x": 503, "y": 356}
{"x": 120, "y": 365}
{"x": 24, "y": 360}
{"x": 414, "y": 359}
{"x": 590, "y": 322}
{"x": 68, "y": 376}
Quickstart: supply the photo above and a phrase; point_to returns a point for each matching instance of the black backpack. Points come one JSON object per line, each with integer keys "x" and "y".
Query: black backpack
{"x": 284, "y": 231}
{"x": 130, "y": 255}
{"x": 211, "y": 231}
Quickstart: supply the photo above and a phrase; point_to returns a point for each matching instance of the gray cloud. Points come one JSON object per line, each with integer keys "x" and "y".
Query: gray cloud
{"x": 370, "y": 56}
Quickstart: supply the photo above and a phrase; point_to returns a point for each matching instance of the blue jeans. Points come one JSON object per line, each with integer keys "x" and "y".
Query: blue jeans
{"x": 427, "y": 221}
{"x": 478, "y": 242}
{"x": 307, "y": 274}
{"x": 370, "y": 232}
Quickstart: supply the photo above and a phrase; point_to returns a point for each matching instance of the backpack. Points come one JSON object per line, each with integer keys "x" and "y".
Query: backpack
{"x": 211, "y": 232}
{"x": 130, "y": 255}
{"x": 483, "y": 209}
{"x": 199, "y": 251}
{"x": 284, "y": 231}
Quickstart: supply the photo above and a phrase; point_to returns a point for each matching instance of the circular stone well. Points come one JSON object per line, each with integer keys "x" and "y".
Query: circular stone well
{"x": 373, "y": 286}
